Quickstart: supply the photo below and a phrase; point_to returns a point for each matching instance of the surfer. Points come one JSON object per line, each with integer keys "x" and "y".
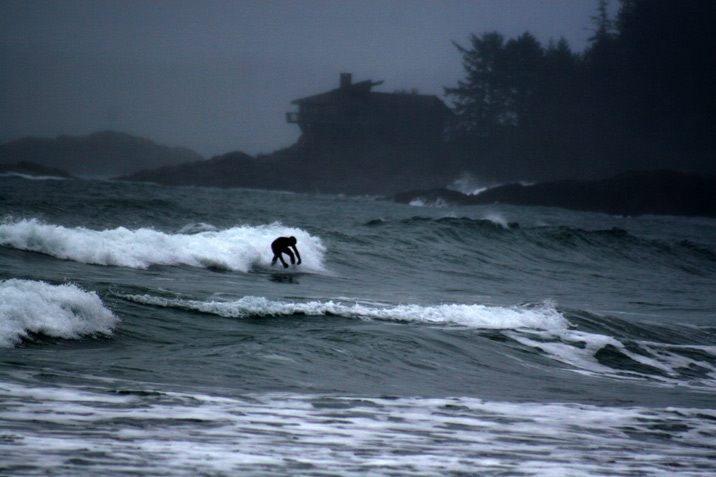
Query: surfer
{"x": 284, "y": 245}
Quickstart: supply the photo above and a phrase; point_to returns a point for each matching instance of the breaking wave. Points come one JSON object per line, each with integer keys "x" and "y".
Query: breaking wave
{"x": 543, "y": 316}
{"x": 62, "y": 311}
{"x": 589, "y": 345}
{"x": 197, "y": 245}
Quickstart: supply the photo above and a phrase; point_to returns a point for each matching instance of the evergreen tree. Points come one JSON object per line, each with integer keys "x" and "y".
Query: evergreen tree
{"x": 521, "y": 72}
{"x": 642, "y": 95}
{"x": 478, "y": 100}
{"x": 603, "y": 24}
{"x": 667, "y": 53}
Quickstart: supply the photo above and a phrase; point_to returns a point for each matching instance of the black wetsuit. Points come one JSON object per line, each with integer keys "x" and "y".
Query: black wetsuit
{"x": 284, "y": 245}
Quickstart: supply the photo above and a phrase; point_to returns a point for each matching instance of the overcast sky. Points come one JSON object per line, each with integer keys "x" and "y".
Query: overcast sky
{"x": 218, "y": 76}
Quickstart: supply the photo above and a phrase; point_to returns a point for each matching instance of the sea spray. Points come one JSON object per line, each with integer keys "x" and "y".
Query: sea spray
{"x": 469, "y": 184}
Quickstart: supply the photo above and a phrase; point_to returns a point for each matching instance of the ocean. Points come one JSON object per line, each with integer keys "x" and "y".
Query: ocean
{"x": 144, "y": 331}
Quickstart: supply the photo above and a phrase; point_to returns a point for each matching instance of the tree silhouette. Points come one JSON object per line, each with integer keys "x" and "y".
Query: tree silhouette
{"x": 641, "y": 96}
{"x": 478, "y": 100}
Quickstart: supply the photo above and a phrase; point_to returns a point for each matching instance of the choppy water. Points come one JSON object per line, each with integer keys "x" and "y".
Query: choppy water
{"x": 143, "y": 330}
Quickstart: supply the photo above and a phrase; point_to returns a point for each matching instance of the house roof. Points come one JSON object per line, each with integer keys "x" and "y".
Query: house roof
{"x": 355, "y": 89}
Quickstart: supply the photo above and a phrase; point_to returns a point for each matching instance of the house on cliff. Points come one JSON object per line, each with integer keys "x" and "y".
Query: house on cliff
{"x": 353, "y": 111}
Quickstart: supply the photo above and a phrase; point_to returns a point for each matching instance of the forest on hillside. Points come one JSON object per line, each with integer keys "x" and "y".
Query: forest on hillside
{"x": 641, "y": 96}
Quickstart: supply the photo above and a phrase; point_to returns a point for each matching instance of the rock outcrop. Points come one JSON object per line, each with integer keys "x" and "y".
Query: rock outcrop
{"x": 628, "y": 194}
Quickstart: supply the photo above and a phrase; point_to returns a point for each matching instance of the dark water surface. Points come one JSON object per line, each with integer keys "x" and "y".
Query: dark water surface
{"x": 143, "y": 330}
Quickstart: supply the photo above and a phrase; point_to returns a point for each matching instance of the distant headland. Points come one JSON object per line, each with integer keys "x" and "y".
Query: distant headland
{"x": 100, "y": 154}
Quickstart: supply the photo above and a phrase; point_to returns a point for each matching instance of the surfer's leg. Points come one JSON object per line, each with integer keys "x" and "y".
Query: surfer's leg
{"x": 276, "y": 253}
{"x": 280, "y": 257}
{"x": 290, "y": 254}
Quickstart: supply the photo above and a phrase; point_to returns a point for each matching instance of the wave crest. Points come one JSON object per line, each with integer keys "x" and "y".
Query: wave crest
{"x": 542, "y": 328}
{"x": 543, "y": 316}
{"x": 238, "y": 248}
{"x": 62, "y": 311}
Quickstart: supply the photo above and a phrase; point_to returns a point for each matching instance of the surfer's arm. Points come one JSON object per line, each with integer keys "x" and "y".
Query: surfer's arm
{"x": 298, "y": 255}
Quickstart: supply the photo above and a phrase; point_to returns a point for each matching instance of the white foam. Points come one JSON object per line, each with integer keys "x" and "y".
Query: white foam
{"x": 63, "y": 311}
{"x": 423, "y": 202}
{"x": 497, "y": 219}
{"x": 542, "y": 317}
{"x": 237, "y": 248}
{"x": 280, "y": 434}
{"x": 538, "y": 327}
{"x": 33, "y": 177}
{"x": 580, "y": 349}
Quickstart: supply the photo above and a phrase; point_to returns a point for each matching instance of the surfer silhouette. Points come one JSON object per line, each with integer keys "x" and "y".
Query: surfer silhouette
{"x": 284, "y": 245}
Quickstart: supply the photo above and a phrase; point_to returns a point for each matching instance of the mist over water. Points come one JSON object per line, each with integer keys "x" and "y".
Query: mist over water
{"x": 142, "y": 329}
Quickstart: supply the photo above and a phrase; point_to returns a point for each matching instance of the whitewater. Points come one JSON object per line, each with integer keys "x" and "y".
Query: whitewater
{"x": 143, "y": 330}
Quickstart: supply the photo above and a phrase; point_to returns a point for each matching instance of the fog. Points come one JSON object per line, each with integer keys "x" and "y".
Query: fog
{"x": 217, "y": 76}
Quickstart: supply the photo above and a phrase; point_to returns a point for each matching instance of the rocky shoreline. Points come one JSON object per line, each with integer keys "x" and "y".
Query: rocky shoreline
{"x": 628, "y": 194}
{"x": 387, "y": 170}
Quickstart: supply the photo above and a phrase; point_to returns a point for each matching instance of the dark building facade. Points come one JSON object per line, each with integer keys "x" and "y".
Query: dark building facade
{"x": 354, "y": 111}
